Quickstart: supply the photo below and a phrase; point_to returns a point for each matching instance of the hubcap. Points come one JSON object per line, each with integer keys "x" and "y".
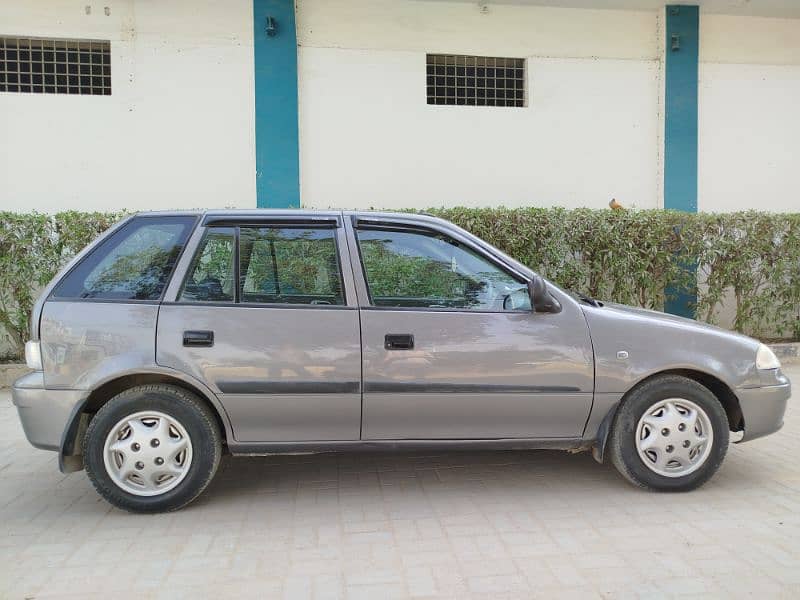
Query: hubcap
{"x": 147, "y": 453}
{"x": 674, "y": 437}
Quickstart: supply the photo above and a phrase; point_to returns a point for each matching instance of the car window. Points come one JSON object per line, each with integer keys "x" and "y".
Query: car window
{"x": 211, "y": 277}
{"x": 135, "y": 263}
{"x": 289, "y": 266}
{"x": 430, "y": 270}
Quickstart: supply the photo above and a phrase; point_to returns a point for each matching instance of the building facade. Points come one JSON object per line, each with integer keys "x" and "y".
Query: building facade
{"x": 399, "y": 103}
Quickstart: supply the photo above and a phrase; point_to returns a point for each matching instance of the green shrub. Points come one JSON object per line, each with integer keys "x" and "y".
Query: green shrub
{"x": 626, "y": 256}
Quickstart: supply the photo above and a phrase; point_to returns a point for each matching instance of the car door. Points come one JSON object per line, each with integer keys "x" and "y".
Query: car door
{"x": 266, "y": 317}
{"x": 451, "y": 347}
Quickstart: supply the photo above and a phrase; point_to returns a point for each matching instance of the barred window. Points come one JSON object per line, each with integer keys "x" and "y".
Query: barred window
{"x": 55, "y": 66}
{"x": 475, "y": 80}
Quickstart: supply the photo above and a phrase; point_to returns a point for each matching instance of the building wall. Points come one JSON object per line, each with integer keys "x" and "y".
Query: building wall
{"x": 749, "y": 115}
{"x": 179, "y": 128}
{"x": 591, "y": 129}
{"x": 177, "y": 131}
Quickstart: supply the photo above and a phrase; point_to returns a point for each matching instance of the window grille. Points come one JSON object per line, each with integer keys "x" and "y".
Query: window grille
{"x": 55, "y": 66}
{"x": 475, "y": 80}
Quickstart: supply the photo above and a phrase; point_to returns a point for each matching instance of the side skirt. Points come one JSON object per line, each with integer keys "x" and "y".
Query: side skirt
{"x": 314, "y": 447}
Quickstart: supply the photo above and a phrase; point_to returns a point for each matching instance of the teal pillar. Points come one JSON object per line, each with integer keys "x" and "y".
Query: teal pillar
{"x": 276, "y": 135}
{"x": 680, "y": 128}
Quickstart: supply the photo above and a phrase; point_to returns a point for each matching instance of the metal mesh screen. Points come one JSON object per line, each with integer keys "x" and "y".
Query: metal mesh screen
{"x": 55, "y": 66}
{"x": 475, "y": 80}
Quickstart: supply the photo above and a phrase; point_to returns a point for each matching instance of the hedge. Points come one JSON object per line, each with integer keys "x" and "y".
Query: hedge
{"x": 633, "y": 257}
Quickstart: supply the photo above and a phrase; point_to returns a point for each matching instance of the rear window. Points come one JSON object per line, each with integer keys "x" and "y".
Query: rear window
{"x": 135, "y": 263}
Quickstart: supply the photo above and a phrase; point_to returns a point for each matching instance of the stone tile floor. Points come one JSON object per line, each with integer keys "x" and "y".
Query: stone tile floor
{"x": 442, "y": 525}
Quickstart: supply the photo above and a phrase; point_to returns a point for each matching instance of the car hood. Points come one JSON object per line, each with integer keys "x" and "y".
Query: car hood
{"x": 666, "y": 318}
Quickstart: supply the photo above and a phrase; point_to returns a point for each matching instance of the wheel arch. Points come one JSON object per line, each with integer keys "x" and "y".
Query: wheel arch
{"x": 70, "y": 458}
{"x": 721, "y": 390}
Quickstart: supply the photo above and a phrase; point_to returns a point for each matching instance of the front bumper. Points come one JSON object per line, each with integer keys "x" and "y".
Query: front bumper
{"x": 763, "y": 407}
{"x": 44, "y": 413}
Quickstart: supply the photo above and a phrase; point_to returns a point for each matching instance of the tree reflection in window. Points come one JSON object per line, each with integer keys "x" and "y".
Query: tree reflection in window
{"x": 420, "y": 269}
{"x": 290, "y": 266}
{"x": 134, "y": 263}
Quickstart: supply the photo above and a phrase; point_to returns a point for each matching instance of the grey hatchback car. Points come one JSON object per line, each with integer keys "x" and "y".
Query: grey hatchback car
{"x": 176, "y": 336}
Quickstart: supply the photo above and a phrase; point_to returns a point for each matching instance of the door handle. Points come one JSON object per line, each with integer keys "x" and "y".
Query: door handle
{"x": 398, "y": 341}
{"x": 198, "y": 338}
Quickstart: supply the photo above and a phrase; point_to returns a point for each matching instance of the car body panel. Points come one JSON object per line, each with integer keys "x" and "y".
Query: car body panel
{"x": 471, "y": 374}
{"x": 655, "y": 342}
{"x": 82, "y": 341}
{"x": 281, "y": 373}
{"x": 289, "y": 379}
{"x": 763, "y": 408}
{"x": 45, "y": 413}
{"x": 476, "y": 375}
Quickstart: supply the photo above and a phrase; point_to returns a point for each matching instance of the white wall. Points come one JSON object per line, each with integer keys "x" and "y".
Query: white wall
{"x": 590, "y": 131}
{"x": 177, "y": 131}
{"x": 749, "y": 114}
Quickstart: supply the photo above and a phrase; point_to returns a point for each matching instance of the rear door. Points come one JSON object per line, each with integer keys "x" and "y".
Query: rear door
{"x": 266, "y": 317}
{"x": 451, "y": 348}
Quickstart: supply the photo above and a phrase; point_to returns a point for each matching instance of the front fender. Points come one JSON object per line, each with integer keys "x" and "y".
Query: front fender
{"x": 631, "y": 345}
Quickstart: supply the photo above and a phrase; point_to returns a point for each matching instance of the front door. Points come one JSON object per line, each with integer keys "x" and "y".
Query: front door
{"x": 263, "y": 319}
{"x": 452, "y": 350}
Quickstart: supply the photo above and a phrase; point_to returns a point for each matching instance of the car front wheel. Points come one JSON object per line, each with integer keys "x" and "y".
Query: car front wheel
{"x": 669, "y": 434}
{"x": 152, "y": 448}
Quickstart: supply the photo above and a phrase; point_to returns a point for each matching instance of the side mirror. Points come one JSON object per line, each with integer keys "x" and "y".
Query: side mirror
{"x": 541, "y": 300}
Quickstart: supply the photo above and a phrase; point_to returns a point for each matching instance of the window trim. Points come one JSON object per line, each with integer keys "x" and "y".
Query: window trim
{"x": 379, "y": 225}
{"x": 261, "y": 224}
{"x": 101, "y": 241}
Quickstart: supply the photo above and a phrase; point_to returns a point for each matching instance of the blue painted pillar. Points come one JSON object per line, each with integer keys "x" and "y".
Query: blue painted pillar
{"x": 277, "y": 146}
{"x": 680, "y": 127}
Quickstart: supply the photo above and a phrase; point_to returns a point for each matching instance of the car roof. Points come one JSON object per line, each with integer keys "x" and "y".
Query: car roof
{"x": 297, "y": 212}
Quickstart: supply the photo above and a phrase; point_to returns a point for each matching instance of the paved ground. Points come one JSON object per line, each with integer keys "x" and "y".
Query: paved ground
{"x": 455, "y": 525}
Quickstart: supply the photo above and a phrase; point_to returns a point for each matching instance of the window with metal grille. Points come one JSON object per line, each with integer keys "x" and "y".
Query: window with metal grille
{"x": 55, "y": 66}
{"x": 475, "y": 80}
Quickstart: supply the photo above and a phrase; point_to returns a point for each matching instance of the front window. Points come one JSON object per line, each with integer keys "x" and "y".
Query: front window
{"x": 135, "y": 263}
{"x": 422, "y": 269}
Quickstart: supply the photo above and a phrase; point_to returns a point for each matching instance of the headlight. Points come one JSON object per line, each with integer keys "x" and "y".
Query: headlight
{"x": 33, "y": 355}
{"x": 766, "y": 359}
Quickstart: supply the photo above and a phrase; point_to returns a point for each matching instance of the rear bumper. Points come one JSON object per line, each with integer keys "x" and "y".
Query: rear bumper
{"x": 763, "y": 408}
{"x": 44, "y": 413}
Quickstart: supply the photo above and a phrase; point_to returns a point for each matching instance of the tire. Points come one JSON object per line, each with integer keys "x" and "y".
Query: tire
{"x": 164, "y": 423}
{"x": 653, "y": 457}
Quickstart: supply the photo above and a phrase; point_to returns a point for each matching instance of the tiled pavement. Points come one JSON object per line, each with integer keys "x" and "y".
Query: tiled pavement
{"x": 452, "y": 525}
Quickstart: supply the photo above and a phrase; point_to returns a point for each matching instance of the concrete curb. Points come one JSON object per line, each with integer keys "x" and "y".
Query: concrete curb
{"x": 788, "y": 353}
{"x": 10, "y": 372}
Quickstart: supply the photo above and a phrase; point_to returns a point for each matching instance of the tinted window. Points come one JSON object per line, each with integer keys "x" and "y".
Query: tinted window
{"x": 211, "y": 277}
{"x": 135, "y": 263}
{"x": 289, "y": 266}
{"x": 421, "y": 269}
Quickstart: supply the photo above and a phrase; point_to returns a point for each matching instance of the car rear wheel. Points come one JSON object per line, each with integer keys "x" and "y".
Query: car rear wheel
{"x": 152, "y": 448}
{"x": 669, "y": 434}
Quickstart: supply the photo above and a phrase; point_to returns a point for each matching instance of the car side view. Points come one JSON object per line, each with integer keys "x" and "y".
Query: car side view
{"x": 177, "y": 336}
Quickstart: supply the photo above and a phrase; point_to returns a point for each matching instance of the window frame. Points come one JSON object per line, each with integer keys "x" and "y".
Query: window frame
{"x": 104, "y": 242}
{"x": 371, "y": 225}
{"x": 237, "y": 224}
